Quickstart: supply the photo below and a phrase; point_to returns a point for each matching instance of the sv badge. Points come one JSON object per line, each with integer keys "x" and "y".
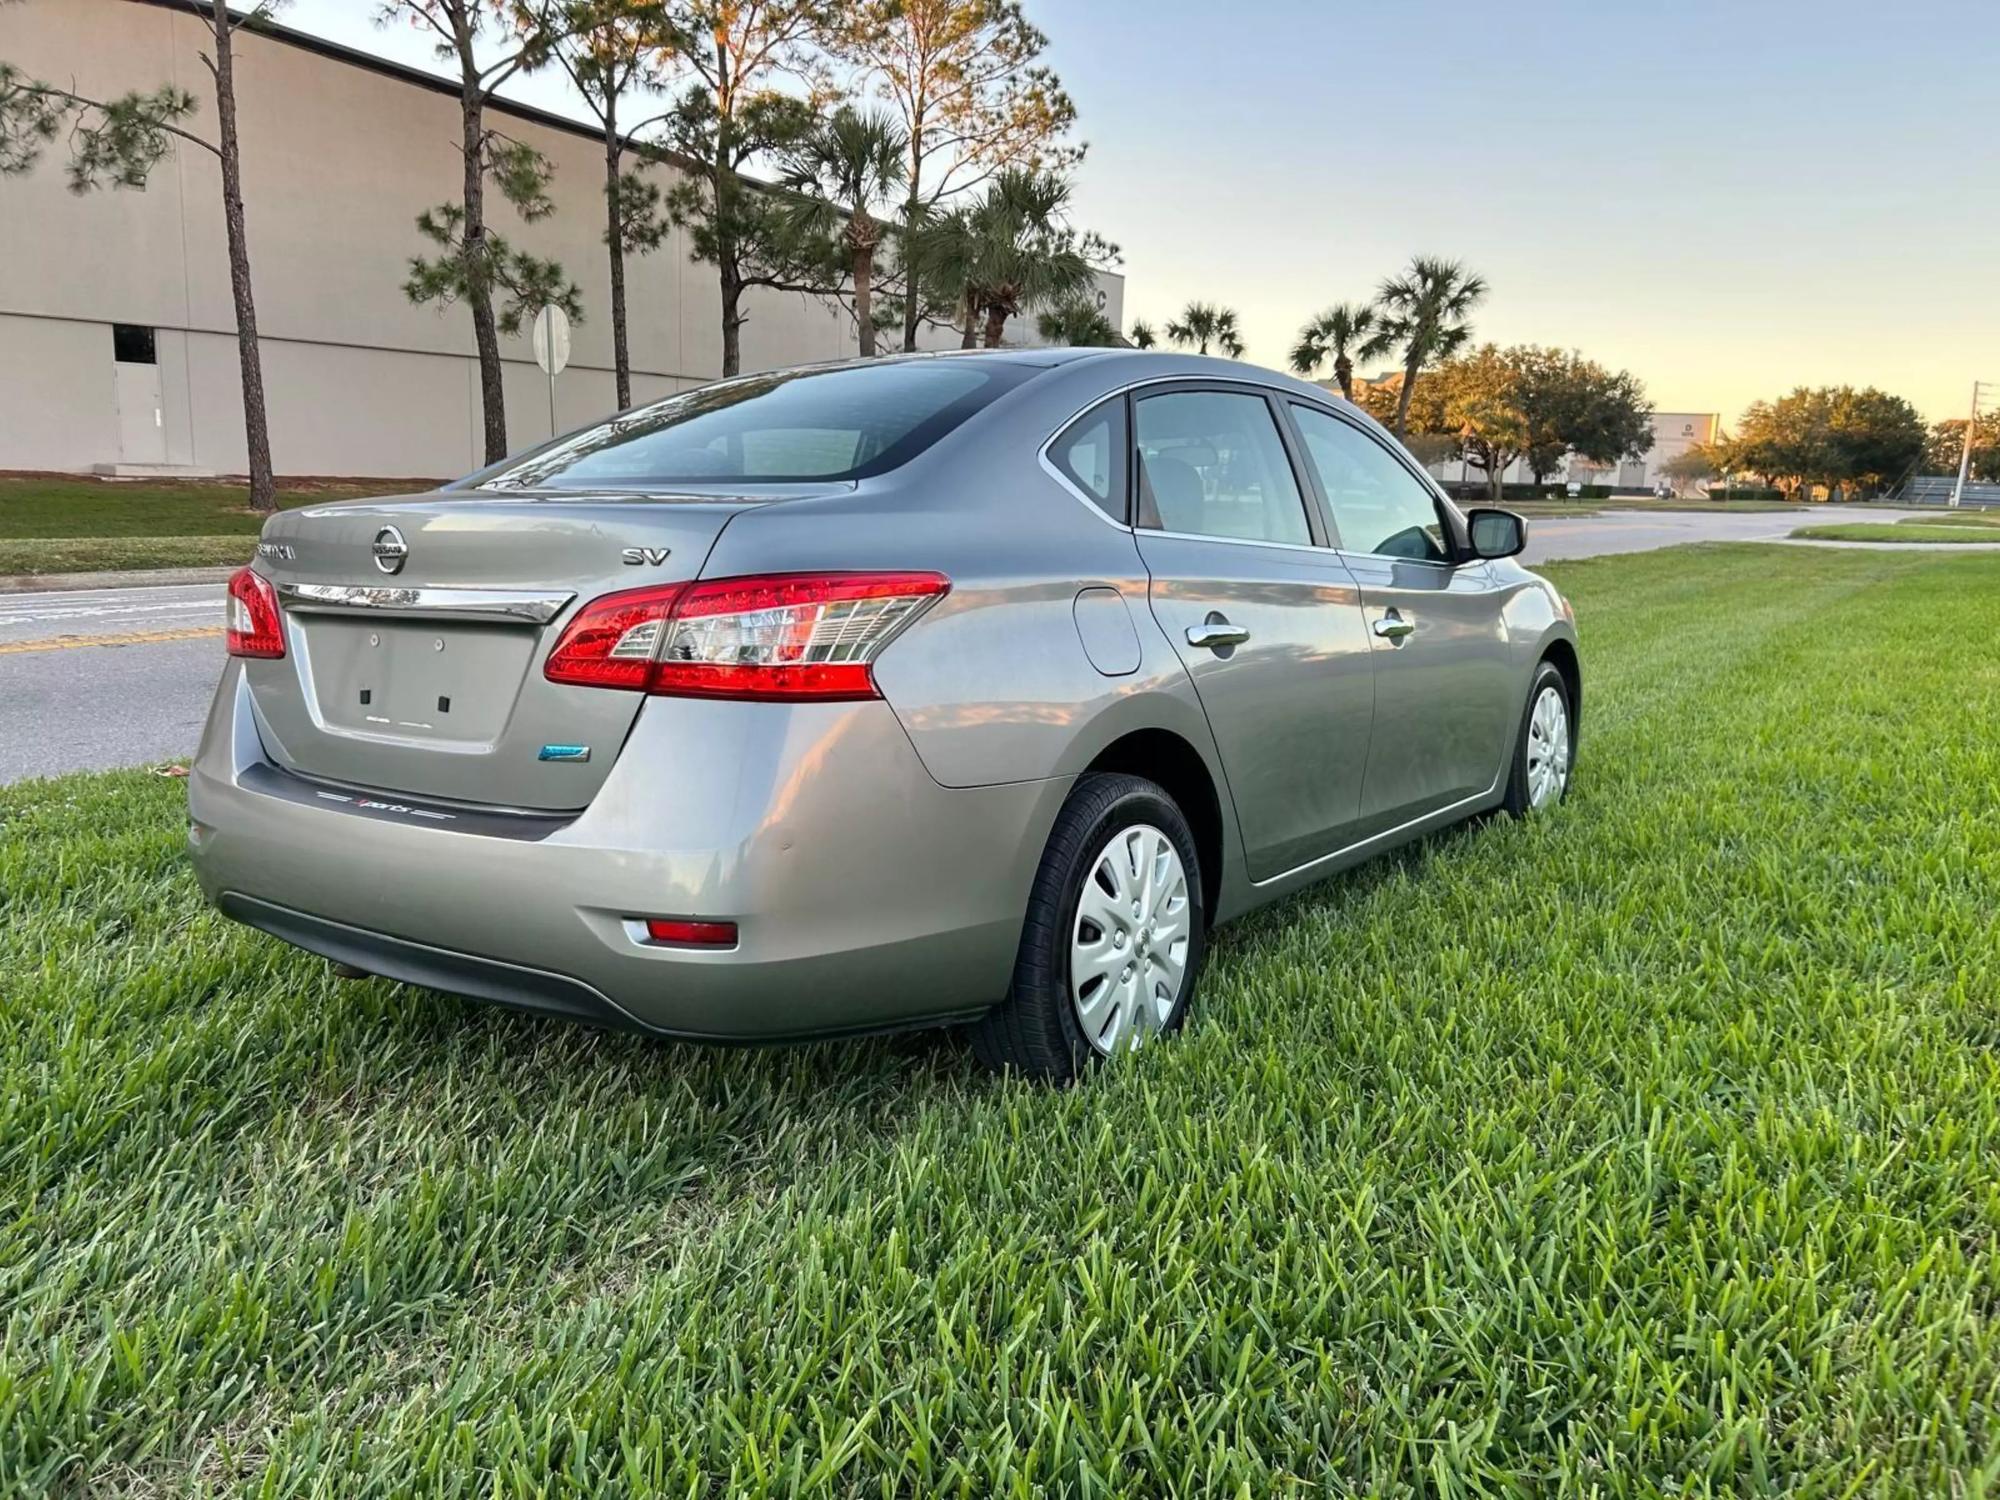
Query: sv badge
{"x": 636, "y": 557}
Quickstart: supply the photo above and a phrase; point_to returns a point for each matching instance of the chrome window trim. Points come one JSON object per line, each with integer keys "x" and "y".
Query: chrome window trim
{"x": 1243, "y": 541}
{"x": 1125, "y": 392}
{"x": 517, "y": 606}
{"x": 1422, "y": 562}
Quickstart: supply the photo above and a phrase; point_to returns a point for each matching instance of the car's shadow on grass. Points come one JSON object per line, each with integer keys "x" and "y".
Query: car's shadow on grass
{"x": 1352, "y": 885}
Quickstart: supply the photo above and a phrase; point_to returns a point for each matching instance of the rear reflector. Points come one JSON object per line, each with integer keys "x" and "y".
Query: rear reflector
{"x": 254, "y": 625}
{"x": 691, "y": 934}
{"x": 785, "y": 636}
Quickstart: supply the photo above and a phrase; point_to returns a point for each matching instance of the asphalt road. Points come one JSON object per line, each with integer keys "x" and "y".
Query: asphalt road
{"x": 103, "y": 678}
{"x": 122, "y": 677}
{"x": 1551, "y": 538}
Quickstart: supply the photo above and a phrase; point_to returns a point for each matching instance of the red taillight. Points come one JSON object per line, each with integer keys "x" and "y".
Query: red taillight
{"x": 254, "y": 626}
{"x": 612, "y": 641}
{"x": 691, "y": 934}
{"x": 786, "y": 636}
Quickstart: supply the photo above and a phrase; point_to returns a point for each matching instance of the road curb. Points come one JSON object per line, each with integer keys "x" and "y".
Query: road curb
{"x": 135, "y": 578}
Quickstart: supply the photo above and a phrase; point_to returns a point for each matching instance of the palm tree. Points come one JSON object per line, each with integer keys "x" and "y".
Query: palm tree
{"x": 1012, "y": 249}
{"x": 1143, "y": 336}
{"x": 1422, "y": 315}
{"x": 843, "y": 170}
{"x": 1339, "y": 331}
{"x": 1080, "y": 323}
{"x": 1202, "y": 324}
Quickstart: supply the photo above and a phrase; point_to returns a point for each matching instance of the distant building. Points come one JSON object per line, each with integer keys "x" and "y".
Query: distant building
{"x": 116, "y": 323}
{"x": 1674, "y": 432}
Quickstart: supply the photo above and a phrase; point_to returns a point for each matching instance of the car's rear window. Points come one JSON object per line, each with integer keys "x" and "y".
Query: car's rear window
{"x": 844, "y": 422}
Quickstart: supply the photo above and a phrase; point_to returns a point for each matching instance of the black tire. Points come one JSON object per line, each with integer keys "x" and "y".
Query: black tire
{"x": 1519, "y": 801}
{"x": 1035, "y": 1031}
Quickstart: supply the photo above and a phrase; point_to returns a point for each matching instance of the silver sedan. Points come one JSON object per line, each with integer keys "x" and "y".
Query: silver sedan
{"x": 944, "y": 689}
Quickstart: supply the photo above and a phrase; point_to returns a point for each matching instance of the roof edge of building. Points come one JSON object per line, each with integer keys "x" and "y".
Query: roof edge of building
{"x": 291, "y": 36}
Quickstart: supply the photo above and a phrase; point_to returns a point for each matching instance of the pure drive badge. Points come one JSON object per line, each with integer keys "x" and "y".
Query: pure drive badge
{"x": 564, "y": 752}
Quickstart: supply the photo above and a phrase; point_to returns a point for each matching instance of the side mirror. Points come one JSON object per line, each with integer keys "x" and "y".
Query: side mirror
{"x": 1495, "y": 533}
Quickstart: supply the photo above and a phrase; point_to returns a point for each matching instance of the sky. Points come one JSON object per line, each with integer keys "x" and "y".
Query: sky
{"x": 1728, "y": 199}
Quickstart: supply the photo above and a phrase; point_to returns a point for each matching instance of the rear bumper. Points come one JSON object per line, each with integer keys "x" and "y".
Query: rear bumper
{"x": 865, "y": 894}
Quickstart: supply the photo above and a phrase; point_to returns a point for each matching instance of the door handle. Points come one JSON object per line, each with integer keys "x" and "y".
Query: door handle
{"x": 1393, "y": 627}
{"x": 1216, "y": 633}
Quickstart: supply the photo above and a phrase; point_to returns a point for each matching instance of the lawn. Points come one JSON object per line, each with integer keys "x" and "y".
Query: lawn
{"x": 1941, "y": 517}
{"x": 1923, "y": 530}
{"x": 51, "y": 524}
{"x": 1651, "y": 1147}
{"x": 91, "y": 554}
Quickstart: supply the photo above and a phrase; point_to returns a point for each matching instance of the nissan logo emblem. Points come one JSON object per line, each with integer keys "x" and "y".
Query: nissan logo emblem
{"x": 390, "y": 549}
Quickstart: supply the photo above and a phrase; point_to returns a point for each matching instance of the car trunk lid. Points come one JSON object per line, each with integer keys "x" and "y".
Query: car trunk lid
{"x": 416, "y": 630}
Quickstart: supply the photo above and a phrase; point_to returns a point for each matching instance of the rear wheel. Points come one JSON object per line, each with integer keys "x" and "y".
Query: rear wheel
{"x": 1546, "y": 750}
{"x": 1114, "y": 938}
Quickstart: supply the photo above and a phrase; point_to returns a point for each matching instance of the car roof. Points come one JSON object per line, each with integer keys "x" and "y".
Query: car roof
{"x": 1050, "y": 357}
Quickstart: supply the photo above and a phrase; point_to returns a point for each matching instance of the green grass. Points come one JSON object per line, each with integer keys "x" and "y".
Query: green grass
{"x": 1985, "y": 518}
{"x": 42, "y": 506}
{"x": 45, "y": 521}
{"x": 1902, "y": 531}
{"x": 1652, "y": 1147}
{"x": 86, "y": 554}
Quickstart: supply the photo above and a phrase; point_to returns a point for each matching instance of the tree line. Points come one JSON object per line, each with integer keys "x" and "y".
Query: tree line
{"x": 1491, "y": 406}
{"x": 913, "y": 160}
{"x": 804, "y": 136}
{"x": 1834, "y": 441}
{"x": 1446, "y": 399}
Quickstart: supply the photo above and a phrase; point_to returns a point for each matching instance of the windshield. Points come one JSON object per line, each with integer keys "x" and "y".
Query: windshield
{"x": 842, "y": 422}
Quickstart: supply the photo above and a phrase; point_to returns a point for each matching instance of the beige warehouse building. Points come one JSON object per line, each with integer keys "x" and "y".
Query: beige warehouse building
{"x": 117, "y": 334}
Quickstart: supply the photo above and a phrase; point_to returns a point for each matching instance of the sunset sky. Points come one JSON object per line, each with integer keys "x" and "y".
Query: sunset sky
{"x": 1727, "y": 198}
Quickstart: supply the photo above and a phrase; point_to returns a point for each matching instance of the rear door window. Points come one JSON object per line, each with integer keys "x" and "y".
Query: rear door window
{"x": 1211, "y": 463}
{"x": 841, "y": 422}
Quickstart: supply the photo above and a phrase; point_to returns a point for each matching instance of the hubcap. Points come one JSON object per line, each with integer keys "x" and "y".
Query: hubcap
{"x": 1129, "y": 942}
{"x": 1548, "y": 747}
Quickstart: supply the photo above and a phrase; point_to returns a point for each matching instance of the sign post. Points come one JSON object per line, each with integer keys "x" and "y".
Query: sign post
{"x": 552, "y": 351}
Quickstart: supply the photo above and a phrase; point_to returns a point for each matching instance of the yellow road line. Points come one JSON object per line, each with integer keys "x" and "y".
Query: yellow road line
{"x": 132, "y": 638}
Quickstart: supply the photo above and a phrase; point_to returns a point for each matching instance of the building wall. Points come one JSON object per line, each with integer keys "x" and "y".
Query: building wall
{"x": 339, "y": 158}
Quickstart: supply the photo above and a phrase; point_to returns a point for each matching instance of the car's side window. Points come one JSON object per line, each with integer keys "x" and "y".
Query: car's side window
{"x": 1378, "y": 505}
{"x": 1211, "y": 463}
{"x": 1091, "y": 452}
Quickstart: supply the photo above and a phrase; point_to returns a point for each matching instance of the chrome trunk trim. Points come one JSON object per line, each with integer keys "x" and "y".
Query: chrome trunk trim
{"x": 517, "y": 606}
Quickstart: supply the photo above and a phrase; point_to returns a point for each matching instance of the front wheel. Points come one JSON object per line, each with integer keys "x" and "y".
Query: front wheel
{"x": 1114, "y": 938}
{"x": 1545, "y": 753}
